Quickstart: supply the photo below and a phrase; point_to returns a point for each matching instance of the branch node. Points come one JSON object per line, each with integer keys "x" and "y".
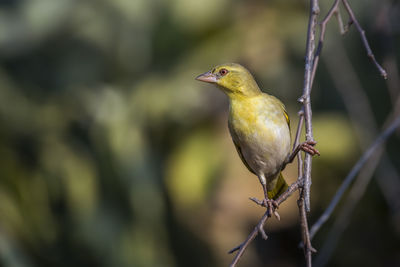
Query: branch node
{"x": 235, "y": 249}
{"x": 257, "y": 201}
{"x": 315, "y": 10}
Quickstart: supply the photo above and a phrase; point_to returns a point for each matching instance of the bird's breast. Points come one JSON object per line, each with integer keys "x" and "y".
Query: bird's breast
{"x": 263, "y": 137}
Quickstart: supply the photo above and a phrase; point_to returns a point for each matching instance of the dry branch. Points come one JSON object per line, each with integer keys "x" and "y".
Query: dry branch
{"x": 364, "y": 38}
{"x": 305, "y": 98}
{"x": 242, "y": 247}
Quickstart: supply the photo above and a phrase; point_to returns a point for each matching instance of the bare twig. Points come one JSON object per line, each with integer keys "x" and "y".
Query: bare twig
{"x": 305, "y": 146}
{"x": 353, "y": 198}
{"x": 322, "y": 31}
{"x": 305, "y": 98}
{"x": 308, "y": 249}
{"x": 358, "y": 191}
{"x": 361, "y": 116}
{"x": 343, "y": 28}
{"x": 299, "y": 128}
{"x": 242, "y": 247}
{"x": 384, "y": 26}
{"x": 350, "y": 177}
{"x": 364, "y": 39}
{"x": 305, "y": 168}
{"x": 334, "y": 10}
{"x": 296, "y": 142}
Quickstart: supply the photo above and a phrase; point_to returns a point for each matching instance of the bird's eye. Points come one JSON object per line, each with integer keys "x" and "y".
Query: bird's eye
{"x": 223, "y": 72}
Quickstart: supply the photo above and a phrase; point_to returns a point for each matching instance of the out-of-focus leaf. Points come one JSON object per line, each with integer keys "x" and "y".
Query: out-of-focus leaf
{"x": 192, "y": 169}
{"x": 335, "y": 137}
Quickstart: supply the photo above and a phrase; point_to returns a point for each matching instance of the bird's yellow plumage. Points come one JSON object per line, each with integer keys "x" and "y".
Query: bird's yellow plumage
{"x": 259, "y": 126}
{"x": 260, "y": 129}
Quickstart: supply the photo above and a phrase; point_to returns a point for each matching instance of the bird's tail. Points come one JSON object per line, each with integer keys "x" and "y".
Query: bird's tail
{"x": 279, "y": 188}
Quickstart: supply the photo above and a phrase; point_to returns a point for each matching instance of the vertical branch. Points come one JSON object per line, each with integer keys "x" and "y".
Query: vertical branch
{"x": 308, "y": 249}
{"x": 305, "y": 98}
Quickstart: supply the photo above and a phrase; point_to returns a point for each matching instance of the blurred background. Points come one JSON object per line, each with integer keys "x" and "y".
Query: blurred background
{"x": 111, "y": 154}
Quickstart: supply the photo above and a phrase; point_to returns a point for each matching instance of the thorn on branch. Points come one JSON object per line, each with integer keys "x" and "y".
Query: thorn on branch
{"x": 262, "y": 232}
{"x": 235, "y": 249}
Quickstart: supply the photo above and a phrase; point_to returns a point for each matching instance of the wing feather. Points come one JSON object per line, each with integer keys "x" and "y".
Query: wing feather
{"x": 239, "y": 150}
{"x": 286, "y": 116}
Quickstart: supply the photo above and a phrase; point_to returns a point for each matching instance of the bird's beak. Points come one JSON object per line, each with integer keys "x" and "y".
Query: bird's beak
{"x": 207, "y": 77}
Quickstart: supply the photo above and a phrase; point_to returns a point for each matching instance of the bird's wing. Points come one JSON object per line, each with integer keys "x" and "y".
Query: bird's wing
{"x": 286, "y": 116}
{"x": 239, "y": 150}
{"x": 278, "y": 104}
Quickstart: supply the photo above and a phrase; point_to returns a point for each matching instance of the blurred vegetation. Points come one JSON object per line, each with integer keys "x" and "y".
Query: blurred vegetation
{"x": 112, "y": 155}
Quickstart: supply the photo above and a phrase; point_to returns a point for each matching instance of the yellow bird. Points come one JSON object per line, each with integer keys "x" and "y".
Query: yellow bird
{"x": 260, "y": 129}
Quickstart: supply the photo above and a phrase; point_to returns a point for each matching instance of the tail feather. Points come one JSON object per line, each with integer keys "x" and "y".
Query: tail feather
{"x": 280, "y": 187}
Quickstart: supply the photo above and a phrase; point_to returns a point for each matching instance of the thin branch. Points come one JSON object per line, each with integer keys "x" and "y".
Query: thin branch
{"x": 322, "y": 31}
{"x": 305, "y": 168}
{"x": 350, "y": 89}
{"x": 361, "y": 116}
{"x": 364, "y": 39}
{"x": 305, "y": 98}
{"x": 242, "y": 247}
{"x": 297, "y": 140}
{"x": 305, "y": 146}
{"x": 308, "y": 249}
{"x": 334, "y": 10}
{"x": 350, "y": 177}
{"x": 299, "y": 127}
{"x": 353, "y": 198}
{"x": 343, "y": 28}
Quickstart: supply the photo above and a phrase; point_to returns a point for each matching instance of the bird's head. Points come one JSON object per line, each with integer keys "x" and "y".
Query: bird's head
{"x": 233, "y": 79}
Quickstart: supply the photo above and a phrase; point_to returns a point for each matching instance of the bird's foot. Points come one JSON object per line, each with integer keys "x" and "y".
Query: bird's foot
{"x": 270, "y": 204}
{"x": 308, "y": 147}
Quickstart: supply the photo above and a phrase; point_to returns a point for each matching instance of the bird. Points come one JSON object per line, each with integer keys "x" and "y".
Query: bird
{"x": 260, "y": 129}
